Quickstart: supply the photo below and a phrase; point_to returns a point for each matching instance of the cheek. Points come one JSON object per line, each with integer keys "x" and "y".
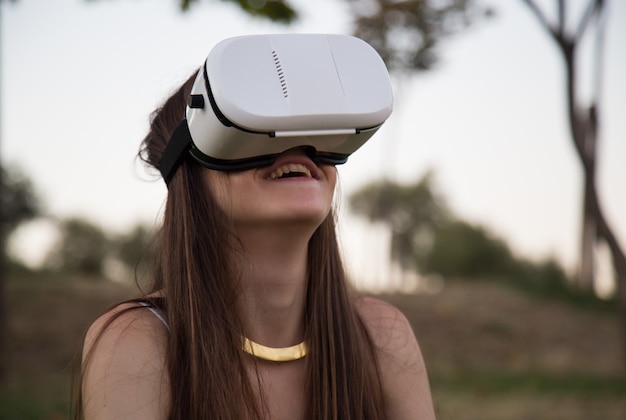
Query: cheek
{"x": 238, "y": 194}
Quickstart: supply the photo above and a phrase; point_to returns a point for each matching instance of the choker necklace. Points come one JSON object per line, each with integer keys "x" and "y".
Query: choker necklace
{"x": 274, "y": 354}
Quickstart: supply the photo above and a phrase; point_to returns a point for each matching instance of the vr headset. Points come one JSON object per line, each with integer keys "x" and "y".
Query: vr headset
{"x": 259, "y": 95}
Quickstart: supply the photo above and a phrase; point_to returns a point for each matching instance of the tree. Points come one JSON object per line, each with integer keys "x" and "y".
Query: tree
{"x": 82, "y": 248}
{"x": 426, "y": 237}
{"x": 462, "y": 250}
{"x": 584, "y": 122}
{"x": 405, "y": 33}
{"x": 411, "y": 211}
{"x": 134, "y": 246}
{"x": 135, "y": 250}
{"x": 18, "y": 203}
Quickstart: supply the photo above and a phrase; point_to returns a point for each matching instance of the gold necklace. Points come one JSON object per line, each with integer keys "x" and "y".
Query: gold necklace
{"x": 274, "y": 354}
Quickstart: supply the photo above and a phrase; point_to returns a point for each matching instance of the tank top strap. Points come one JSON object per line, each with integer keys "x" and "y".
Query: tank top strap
{"x": 156, "y": 311}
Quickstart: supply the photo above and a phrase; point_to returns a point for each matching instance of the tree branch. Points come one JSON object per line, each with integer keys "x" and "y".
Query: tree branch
{"x": 542, "y": 19}
{"x": 594, "y": 7}
{"x": 601, "y": 19}
{"x": 561, "y": 19}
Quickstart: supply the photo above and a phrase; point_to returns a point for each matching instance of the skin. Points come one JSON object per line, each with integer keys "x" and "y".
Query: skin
{"x": 274, "y": 219}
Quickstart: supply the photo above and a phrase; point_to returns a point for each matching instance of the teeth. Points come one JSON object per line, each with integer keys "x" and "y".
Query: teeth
{"x": 289, "y": 168}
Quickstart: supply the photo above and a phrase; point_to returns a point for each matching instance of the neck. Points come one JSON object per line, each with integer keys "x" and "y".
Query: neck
{"x": 274, "y": 285}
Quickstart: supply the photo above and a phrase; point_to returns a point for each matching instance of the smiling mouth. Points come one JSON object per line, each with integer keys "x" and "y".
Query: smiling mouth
{"x": 290, "y": 170}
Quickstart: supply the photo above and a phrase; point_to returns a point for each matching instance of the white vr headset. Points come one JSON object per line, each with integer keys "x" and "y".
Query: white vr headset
{"x": 259, "y": 95}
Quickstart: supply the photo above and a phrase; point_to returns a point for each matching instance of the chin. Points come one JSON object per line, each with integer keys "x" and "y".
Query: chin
{"x": 291, "y": 221}
{"x": 310, "y": 219}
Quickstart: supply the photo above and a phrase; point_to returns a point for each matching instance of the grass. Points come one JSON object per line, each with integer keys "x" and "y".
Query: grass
{"x": 492, "y": 352}
{"x": 44, "y": 396}
{"x": 503, "y": 383}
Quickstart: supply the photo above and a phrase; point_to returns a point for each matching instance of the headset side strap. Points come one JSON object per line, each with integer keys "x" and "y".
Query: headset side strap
{"x": 175, "y": 151}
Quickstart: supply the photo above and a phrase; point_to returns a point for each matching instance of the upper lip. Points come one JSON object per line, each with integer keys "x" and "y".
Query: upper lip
{"x": 283, "y": 161}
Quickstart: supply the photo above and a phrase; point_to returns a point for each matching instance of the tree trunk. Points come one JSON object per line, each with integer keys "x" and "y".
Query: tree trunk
{"x": 587, "y": 125}
{"x": 586, "y": 269}
{"x": 619, "y": 263}
{"x": 3, "y": 317}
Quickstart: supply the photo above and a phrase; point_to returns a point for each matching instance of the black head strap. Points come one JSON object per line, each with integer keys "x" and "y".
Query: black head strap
{"x": 175, "y": 151}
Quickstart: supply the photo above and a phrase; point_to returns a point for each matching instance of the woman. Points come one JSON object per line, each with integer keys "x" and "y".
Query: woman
{"x": 245, "y": 260}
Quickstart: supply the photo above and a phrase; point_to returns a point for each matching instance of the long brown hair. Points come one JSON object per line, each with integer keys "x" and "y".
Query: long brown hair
{"x": 195, "y": 268}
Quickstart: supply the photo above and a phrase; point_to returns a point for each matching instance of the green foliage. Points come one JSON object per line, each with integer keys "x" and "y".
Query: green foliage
{"x": 81, "y": 248}
{"x": 134, "y": 246}
{"x": 548, "y": 279}
{"x": 405, "y": 33}
{"x": 279, "y": 11}
{"x": 428, "y": 238}
{"x": 425, "y": 235}
{"x": 547, "y": 276}
{"x": 135, "y": 250}
{"x": 34, "y": 398}
{"x": 413, "y": 212}
{"x": 85, "y": 248}
{"x": 18, "y": 200}
{"x": 400, "y": 205}
{"x": 275, "y": 10}
{"x": 460, "y": 249}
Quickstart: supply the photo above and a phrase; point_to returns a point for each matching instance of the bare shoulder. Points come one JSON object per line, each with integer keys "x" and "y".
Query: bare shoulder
{"x": 126, "y": 319}
{"x": 129, "y": 328}
{"x": 387, "y": 325}
{"x": 378, "y": 312}
{"x": 124, "y": 368}
{"x": 404, "y": 375}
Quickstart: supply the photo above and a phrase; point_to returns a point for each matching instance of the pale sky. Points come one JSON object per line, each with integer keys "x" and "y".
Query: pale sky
{"x": 80, "y": 78}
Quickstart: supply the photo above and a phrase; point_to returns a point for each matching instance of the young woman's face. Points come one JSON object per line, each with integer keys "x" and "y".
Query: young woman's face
{"x": 292, "y": 191}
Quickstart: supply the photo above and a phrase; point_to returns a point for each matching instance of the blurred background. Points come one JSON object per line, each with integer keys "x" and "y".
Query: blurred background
{"x": 490, "y": 207}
